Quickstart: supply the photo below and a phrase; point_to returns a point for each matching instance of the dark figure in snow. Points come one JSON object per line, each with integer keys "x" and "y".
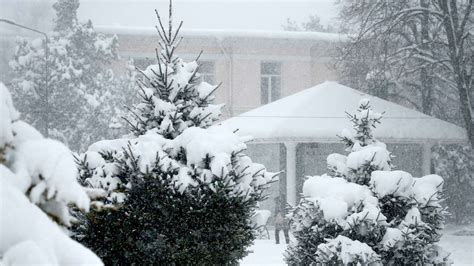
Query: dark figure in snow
{"x": 281, "y": 222}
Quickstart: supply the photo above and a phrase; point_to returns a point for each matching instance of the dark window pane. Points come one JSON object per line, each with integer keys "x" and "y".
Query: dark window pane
{"x": 270, "y": 68}
{"x": 276, "y": 87}
{"x": 264, "y": 89}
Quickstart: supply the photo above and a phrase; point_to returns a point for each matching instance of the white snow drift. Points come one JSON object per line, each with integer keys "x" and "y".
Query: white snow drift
{"x": 37, "y": 180}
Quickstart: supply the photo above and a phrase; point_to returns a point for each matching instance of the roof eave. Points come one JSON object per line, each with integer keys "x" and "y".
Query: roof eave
{"x": 430, "y": 141}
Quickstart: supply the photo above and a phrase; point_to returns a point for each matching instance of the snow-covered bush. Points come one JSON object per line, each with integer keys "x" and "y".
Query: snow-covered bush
{"x": 179, "y": 190}
{"x": 456, "y": 164}
{"x": 366, "y": 213}
{"x": 64, "y": 85}
{"x": 37, "y": 183}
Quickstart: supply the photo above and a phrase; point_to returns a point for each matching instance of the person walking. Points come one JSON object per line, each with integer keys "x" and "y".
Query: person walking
{"x": 281, "y": 222}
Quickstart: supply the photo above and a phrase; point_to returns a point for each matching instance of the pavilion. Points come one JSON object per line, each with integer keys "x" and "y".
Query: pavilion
{"x": 305, "y": 126}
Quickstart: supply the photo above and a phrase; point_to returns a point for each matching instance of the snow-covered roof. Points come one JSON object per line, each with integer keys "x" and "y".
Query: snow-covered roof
{"x": 318, "y": 114}
{"x": 221, "y": 34}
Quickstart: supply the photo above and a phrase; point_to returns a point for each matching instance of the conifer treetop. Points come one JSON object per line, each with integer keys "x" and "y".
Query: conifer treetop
{"x": 366, "y": 154}
{"x": 172, "y": 96}
{"x": 66, "y": 14}
{"x": 364, "y": 120}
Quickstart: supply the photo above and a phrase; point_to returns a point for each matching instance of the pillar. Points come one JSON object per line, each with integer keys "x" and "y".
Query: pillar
{"x": 426, "y": 159}
{"x": 291, "y": 172}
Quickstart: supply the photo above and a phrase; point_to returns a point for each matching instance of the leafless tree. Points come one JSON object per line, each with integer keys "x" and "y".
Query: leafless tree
{"x": 419, "y": 52}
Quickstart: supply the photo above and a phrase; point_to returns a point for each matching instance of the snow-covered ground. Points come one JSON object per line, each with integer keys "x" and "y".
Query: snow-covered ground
{"x": 460, "y": 246}
{"x": 266, "y": 252}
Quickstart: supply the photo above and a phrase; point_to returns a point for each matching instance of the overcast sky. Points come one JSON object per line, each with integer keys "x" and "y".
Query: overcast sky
{"x": 208, "y": 14}
{"x": 196, "y": 14}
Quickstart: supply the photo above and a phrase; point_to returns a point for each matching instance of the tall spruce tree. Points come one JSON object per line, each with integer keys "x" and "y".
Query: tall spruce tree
{"x": 172, "y": 99}
{"x": 178, "y": 189}
{"x": 63, "y": 84}
{"x": 363, "y": 212}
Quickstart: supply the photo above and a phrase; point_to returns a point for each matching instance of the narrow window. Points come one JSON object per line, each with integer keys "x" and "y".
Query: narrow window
{"x": 270, "y": 82}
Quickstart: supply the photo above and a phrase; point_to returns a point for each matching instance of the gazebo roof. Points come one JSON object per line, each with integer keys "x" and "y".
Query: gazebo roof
{"x": 318, "y": 114}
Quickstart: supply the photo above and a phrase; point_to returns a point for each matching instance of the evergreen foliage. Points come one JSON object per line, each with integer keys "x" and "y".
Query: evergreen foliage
{"x": 63, "y": 83}
{"x": 38, "y": 186}
{"x": 178, "y": 189}
{"x": 366, "y": 213}
{"x": 172, "y": 98}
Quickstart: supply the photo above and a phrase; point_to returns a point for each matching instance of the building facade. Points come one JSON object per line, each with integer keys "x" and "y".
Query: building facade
{"x": 254, "y": 67}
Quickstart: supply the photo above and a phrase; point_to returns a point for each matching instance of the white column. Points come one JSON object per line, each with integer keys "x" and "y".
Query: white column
{"x": 426, "y": 159}
{"x": 291, "y": 172}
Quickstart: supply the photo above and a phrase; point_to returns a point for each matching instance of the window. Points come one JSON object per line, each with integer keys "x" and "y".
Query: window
{"x": 206, "y": 71}
{"x": 270, "y": 82}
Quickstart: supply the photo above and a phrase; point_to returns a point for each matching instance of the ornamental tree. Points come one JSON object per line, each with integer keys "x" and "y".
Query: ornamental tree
{"x": 363, "y": 212}
{"x": 182, "y": 186}
{"x": 63, "y": 83}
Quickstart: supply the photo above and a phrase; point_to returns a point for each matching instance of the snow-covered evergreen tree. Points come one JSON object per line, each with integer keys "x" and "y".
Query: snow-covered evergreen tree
{"x": 179, "y": 190}
{"x": 38, "y": 181}
{"x": 172, "y": 98}
{"x": 363, "y": 212}
{"x": 63, "y": 81}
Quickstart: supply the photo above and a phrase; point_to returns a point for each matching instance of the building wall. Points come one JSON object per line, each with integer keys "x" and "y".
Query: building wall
{"x": 222, "y": 67}
{"x": 237, "y": 61}
{"x": 296, "y": 76}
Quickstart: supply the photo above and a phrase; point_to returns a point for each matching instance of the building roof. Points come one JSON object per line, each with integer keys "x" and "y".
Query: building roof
{"x": 222, "y": 34}
{"x": 318, "y": 114}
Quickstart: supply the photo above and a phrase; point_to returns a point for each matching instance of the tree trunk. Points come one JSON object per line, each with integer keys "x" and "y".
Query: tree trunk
{"x": 454, "y": 35}
{"x": 425, "y": 75}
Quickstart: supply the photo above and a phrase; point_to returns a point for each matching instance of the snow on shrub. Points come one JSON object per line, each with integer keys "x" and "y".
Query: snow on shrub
{"x": 209, "y": 153}
{"x": 73, "y": 63}
{"x": 367, "y": 213}
{"x": 178, "y": 189}
{"x": 343, "y": 250}
{"x": 37, "y": 185}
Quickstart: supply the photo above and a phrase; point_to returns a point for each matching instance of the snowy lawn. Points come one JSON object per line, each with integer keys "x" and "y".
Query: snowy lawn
{"x": 460, "y": 246}
{"x": 266, "y": 252}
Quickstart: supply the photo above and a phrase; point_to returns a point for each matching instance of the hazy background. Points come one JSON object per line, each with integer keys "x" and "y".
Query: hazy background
{"x": 197, "y": 14}
{"x": 267, "y": 15}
